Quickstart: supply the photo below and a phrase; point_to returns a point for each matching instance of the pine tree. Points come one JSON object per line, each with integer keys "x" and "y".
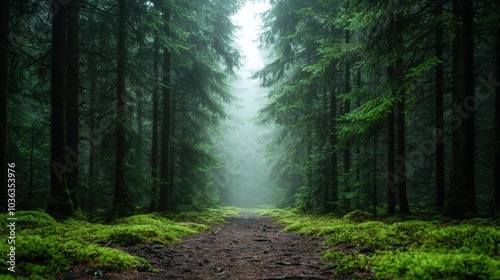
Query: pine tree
{"x": 4, "y": 64}
{"x": 59, "y": 203}
{"x": 460, "y": 198}
{"x": 119, "y": 198}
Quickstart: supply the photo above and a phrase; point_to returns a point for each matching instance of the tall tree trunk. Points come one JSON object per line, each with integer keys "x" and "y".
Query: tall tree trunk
{"x": 4, "y": 64}
{"x": 497, "y": 127}
{"x": 140, "y": 126}
{"x": 59, "y": 204}
{"x": 391, "y": 175}
{"x": 119, "y": 200}
{"x": 460, "y": 198}
{"x": 440, "y": 187}
{"x": 470, "y": 104}
{"x": 72, "y": 116}
{"x": 164, "y": 198}
{"x": 333, "y": 142}
{"x": 401, "y": 172}
{"x": 347, "y": 108}
{"x": 92, "y": 124}
{"x": 154, "y": 142}
{"x": 374, "y": 174}
{"x": 391, "y": 192}
{"x": 403, "y": 200}
{"x": 171, "y": 150}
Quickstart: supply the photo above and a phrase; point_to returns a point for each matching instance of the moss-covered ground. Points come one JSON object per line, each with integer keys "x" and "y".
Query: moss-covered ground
{"x": 402, "y": 248}
{"x": 46, "y": 248}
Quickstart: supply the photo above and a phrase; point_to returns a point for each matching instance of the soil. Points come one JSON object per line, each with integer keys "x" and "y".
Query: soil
{"x": 249, "y": 246}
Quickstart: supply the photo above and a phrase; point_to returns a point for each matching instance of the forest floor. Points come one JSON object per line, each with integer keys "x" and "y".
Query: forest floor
{"x": 249, "y": 246}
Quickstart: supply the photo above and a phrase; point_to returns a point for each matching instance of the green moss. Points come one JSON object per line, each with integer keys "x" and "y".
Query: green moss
{"x": 405, "y": 247}
{"x": 424, "y": 265}
{"x": 208, "y": 216}
{"x": 350, "y": 263}
{"x": 29, "y": 220}
{"x": 46, "y": 247}
{"x": 357, "y": 216}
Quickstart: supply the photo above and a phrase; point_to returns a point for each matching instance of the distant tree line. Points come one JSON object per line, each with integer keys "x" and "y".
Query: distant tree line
{"x": 111, "y": 107}
{"x": 384, "y": 106}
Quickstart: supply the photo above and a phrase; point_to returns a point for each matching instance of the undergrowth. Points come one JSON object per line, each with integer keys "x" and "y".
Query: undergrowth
{"x": 46, "y": 248}
{"x": 402, "y": 249}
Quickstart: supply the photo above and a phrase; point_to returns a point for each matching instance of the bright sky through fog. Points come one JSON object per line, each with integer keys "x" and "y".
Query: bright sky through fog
{"x": 247, "y": 90}
{"x": 248, "y": 19}
{"x": 244, "y": 136}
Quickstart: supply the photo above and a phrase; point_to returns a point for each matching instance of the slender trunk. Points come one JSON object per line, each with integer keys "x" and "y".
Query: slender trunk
{"x": 92, "y": 121}
{"x": 440, "y": 187}
{"x": 171, "y": 150}
{"x": 496, "y": 200}
{"x": 391, "y": 193}
{"x": 119, "y": 199}
{"x": 401, "y": 172}
{"x": 59, "y": 203}
{"x": 333, "y": 141}
{"x": 32, "y": 169}
{"x": 139, "y": 151}
{"x": 374, "y": 174}
{"x": 469, "y": 105}
{"x": 459, "y": 200}
{"x": 403, "y": 200}
{"x": 164, "y": 198}
{"x": 154, "y": 143}
{"x": 347, "y": 108}
{"x": 72, "y": 116}
{"x": 4, "y": 64}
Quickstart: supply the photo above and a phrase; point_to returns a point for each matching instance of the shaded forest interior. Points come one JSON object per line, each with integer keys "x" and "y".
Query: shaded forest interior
{"x": 378, "y": 130}
{"x": 387, "y": 107}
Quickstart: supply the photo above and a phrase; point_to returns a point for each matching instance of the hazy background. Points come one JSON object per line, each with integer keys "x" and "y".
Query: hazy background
{"x": 243, "y": 143}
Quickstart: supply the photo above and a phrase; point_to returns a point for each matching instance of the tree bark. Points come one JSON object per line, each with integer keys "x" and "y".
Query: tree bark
{"x": 59, "y": 204}
{"x": 154, "y": 142}
{"x": 460, "y": 198}
{"x": 391, "y": 175}
{"x": 4, "y": 65}
{"x": 347, "y": 108}
{"x": 374, "y": 175}
{"x": 403, "y": 200}
{"x": 391, "y": 193}
{"x": 164, "y": 198}
{"x": 401, "y": 150}
{"x": 440, "y": 182}
{"x": 92, "y": 125}
{"x": 496, "y": 200}
{"x": 470, "y": 104}
{"x": 72, "y": 116}
{"x": 119, "y": 200}
{"x": 333, "y": 192}
{"x": 140, "y": 126}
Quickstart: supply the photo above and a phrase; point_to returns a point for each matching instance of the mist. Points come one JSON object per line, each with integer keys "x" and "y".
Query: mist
{"x": 244, "y": 141}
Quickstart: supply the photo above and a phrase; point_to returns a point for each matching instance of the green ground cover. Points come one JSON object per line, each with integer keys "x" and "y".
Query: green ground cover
{"x": 45, "y": 247}
{"x": 402, "y": 248}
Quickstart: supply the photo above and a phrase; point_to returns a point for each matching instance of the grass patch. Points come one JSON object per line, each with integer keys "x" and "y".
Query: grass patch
{"x": 403, "y": 249}
{"x": 46, "y": 248}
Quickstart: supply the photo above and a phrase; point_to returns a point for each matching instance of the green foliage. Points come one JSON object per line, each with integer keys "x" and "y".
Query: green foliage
{"x": 356, "y": 216}
{"x": 46, "y": 247}
{"x": 411, "y": 249}
{"x": 348, "y": 264}
{"x": 425, "y": 265}
{"x": 29, "y": 220}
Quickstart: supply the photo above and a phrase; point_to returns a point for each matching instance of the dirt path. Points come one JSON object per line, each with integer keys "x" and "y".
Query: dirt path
{"x": 247, "y": 247}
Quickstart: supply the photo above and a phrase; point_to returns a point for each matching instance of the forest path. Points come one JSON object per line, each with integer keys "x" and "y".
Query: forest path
{"x": 249, "y": 246}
